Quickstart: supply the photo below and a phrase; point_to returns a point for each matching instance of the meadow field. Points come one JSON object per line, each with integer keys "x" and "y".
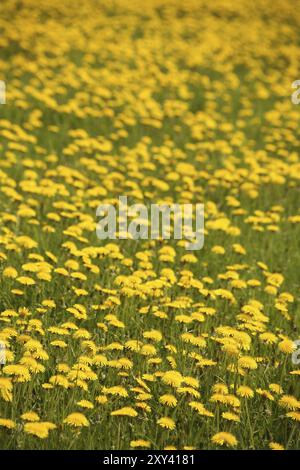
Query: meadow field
{"x": 142, "y": 344}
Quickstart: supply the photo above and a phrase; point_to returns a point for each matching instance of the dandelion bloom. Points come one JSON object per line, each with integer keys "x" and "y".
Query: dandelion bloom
{"x": 224, "y": 438}
{"x": 6, "y": 388}
{"x": 140, "y": 443}
{"x": 245, "y": 392}
{"x": 287, "y": 346}
{"x": 166, "y": 423}
{"x": 220, "y": 388}
{"x": 168, "y": 400}
{"x": 276, "y": 388}
{"x": 77, "y": 420}
{"x": 40, "y": 429}
{"x": 275, "y": 446}
{"x": 85, "y": 404}
{"x": 247, "y": 362}
{"x": 101, "y": 399}
{"x": 21, "y": 373}
{"x": 172, "y": 378}
{"x": 289, "y": 402}
{"x": 230, "y": 416}
{"x": 7, "y": 423}
{"x": 126, "y": 411}
{"x": 26, "y": 281}
{"x": 30, "y": 416}
{"x": 10, "y": 272}
{"x": 295, "y": 415}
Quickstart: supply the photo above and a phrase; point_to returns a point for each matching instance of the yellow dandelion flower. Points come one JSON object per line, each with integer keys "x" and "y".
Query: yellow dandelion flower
{"x": 168, "y": 400}
{"x": 289, "y": 402}
{"x": 6, "y": 388}
{"x": 26, "y": 281}
{"x": 166, "y": 423}
{"x": 224, "y": 438}
{"x": 295, "y": 415}
{"x": 85, "y": 404}
{"x": 77, "y": 420}
{"x": 21, "y": 373}
{"x": 7, "y": 423}
{"x": 247, "y": 362}
{"x": 101, "y": 399}
{"x": 230, "y": 416}
{"x": 40, "y": 429}
{"x": 30, "y": 416}
{"x": 10, "y": 272}
{"x": 172, "y": 378}
{"x": 140, "y": 443}
{"x": 220, "y": 388}
{"x": 245, "y": 392}
{"x": 275, "y": 446}
{"x": 125, "y": 411}
{"x": 287, "y": 346}
{"x": 276, "y": 388}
